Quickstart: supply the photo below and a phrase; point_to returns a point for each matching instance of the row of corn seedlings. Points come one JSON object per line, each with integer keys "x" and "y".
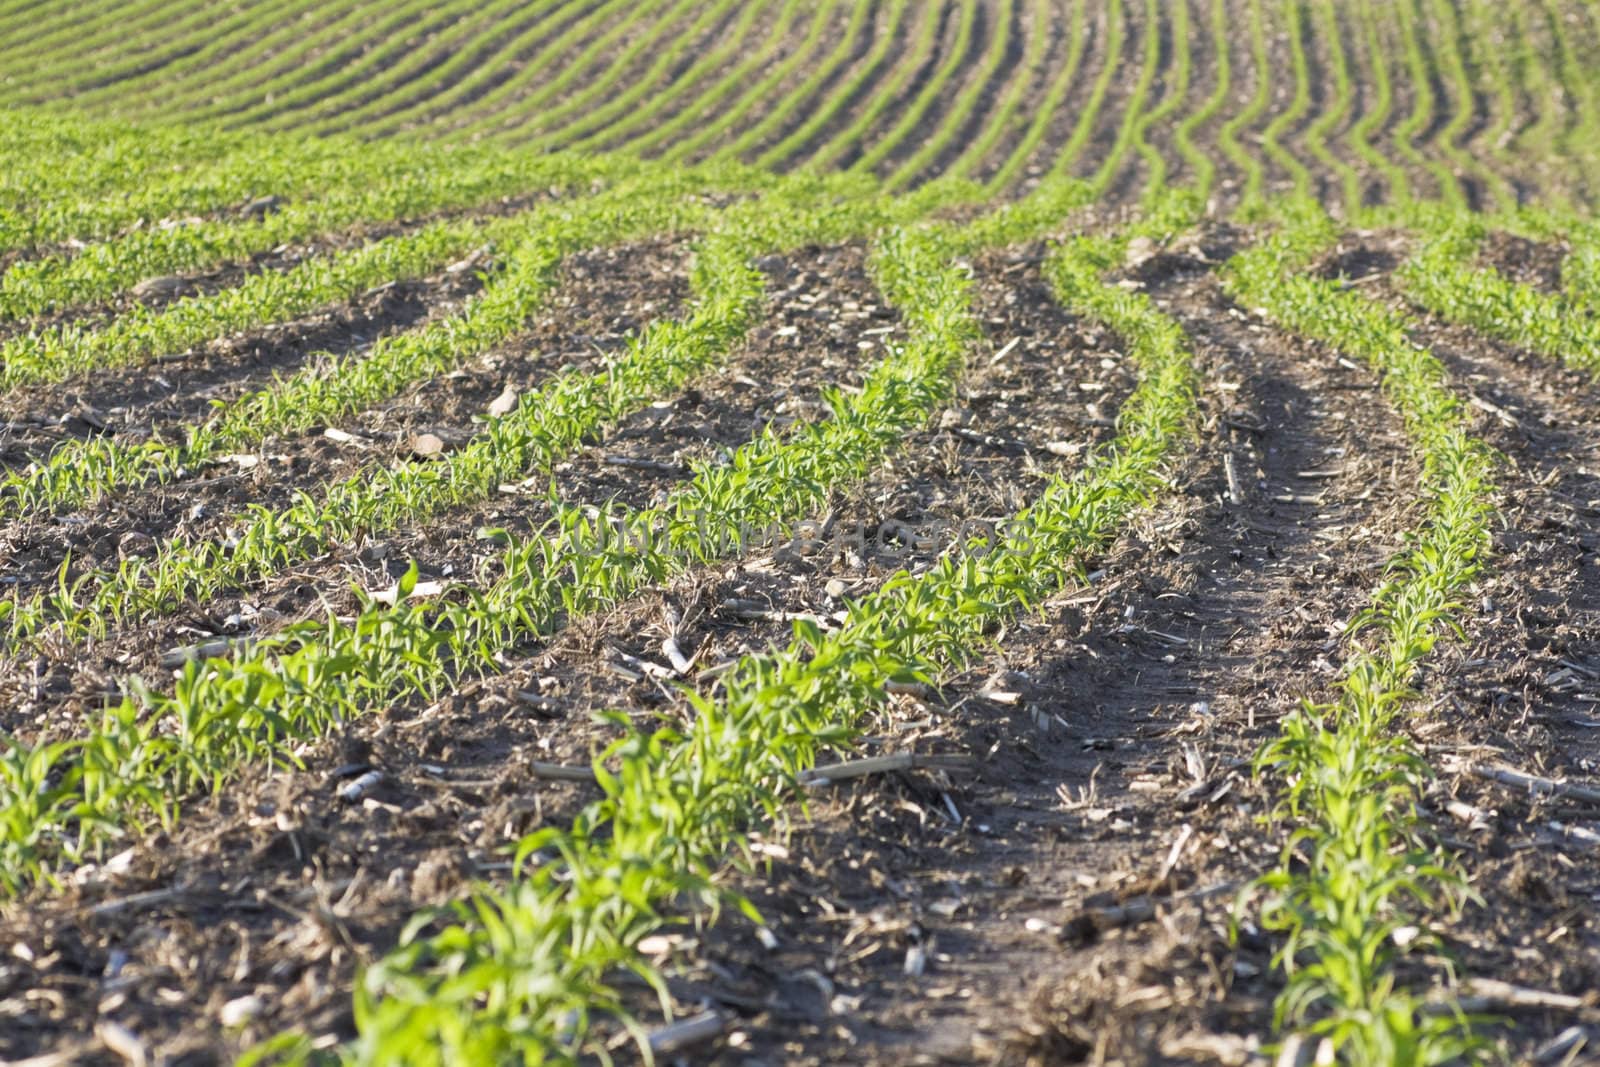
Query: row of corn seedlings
{"x": 63, "y": 800}
{"x": 395, "y": 182}
{"x": 527, "y": 971}
{"x": 1444, "y": 278}
{"x": 545, "y": 426}
{"x": 1359, "y": 875}
{"x": 83, "y": 471}
{"x": 144, "y": 333}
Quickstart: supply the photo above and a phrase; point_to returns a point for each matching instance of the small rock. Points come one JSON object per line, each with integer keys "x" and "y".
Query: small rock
{"x": 134, "y": 543}
{"x": 505, "y": 403}
{"x": 427, "y": 445}
{"x": 260, "y": 207}
{"x": 240, "y": 1010}
{"x": 165, "y": 285}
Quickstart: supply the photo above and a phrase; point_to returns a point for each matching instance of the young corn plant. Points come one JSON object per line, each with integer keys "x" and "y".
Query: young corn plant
{"x": 1359, "y": 876}
{"x": 547, "y": 424}
{"x": 525, "y": 973}
{"x": 80, "y": 473}
{"x": 152, "y": 749}
{"x": 1444, "y": 278}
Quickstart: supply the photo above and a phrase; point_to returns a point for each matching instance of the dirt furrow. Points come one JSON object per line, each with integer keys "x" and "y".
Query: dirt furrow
{"x": 922, "y": 920}
{"x": 181, "y": 388}
{"x": 586, "y": 322}
{"x": 297, "y": 888}
{"x": 1523, "y": 692}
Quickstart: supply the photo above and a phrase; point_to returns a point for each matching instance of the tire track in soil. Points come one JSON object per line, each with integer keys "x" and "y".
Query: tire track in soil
{"x": 1211, "y": 620}
{"x": 273, "y": 847}
{"x": 1524, "y": 690}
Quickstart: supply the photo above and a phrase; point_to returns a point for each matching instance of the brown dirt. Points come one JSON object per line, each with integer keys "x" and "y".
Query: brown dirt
{"x": 1524, "y": 691}
{"x": 274, "y": 844}
{"x": 588, "y": 318}
{"x": 1209, "y": 620}
{"x": 1535, "y": 263}
{"x": 181, "y": 387}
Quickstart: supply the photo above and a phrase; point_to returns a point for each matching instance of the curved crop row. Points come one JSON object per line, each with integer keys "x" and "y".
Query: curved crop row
{"x": 643, "y": 94}
{"x": 58, "y": 59}
{"x": 716, "y": 109}
{"x": 270, "y": 57}
{"x": 1465, "y": 101}
{"x": 1358, "y": 866}
{"x": 397, "y": 182}
{"x": 312, "y": 98}
{"x": 1116, "y": 33}
{"x": 1202, "y": 168}
{"x": 669, "y": 108}
{"x": 1364, "y": 134}
{"x": 64, "y": 800}
{"x": 1133, "y": 113}
{"x": 456, "y": 85}
{"x": 1175, "y": 89}
{"x": 1443, "y": 278}
{"x": 1327, "y": 29}
{"x": 1077, "y": 34}
{"x": 487, "y": 115}
{"x": 615, "y": 77}
{"x": 1421, "y": 120}
{"x": 947, "y": 117}
{"x": 375, "y": 97}
{"x": 1029, "y": 71}
{"x": 547, "y": 423}
{"x": 83, "y": 471}
{"x": 846, "y": 146}
{"x": 804, "y": 97}
{"x": 144, "y": 333}
{"x": 164, "y": 50}
{"x": 529, "y": 967}
{"x": 1253, "y": 196}
{"x": 710, "y": 117}
{"x": 1299, "y": 103}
